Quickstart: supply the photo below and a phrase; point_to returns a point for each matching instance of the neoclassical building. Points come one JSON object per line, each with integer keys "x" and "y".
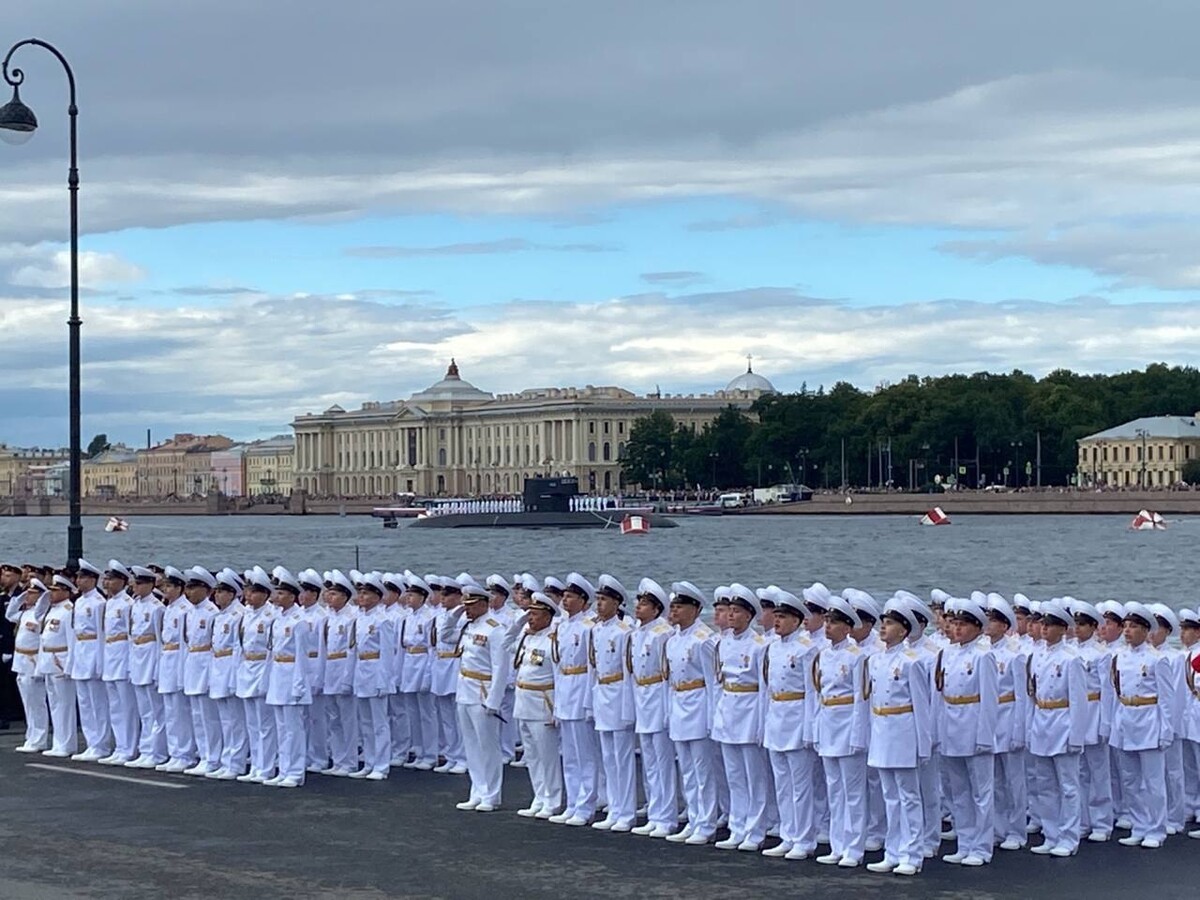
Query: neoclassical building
{"x": 453, "y": 439}
{"x": 1147, "y": 452}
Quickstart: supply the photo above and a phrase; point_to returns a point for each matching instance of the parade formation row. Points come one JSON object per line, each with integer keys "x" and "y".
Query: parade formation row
{"x": 828, "y": 718}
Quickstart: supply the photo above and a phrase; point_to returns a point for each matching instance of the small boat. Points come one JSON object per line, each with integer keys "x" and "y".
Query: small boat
{"x": 116, "y": 523}
{"x": 935, "y": 516}
{"x": 1148, "y": 521}
{"x": 635, "y": 525}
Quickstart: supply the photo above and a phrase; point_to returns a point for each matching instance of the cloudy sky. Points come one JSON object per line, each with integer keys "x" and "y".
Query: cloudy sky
{"x": 290, "y": 205}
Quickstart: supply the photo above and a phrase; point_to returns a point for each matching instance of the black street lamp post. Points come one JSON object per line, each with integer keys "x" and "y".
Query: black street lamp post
{"x": 17, "y": 124}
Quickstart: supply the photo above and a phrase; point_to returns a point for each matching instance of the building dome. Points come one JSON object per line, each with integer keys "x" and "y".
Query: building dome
{"x": 452, "y": 388}
{"x": 749, "y": 382}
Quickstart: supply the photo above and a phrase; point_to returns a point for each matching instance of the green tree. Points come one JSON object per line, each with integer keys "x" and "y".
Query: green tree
{"x": 97, "y": 446}
{"x": 1191, "y": 471}
{"x": 649, "y": 453}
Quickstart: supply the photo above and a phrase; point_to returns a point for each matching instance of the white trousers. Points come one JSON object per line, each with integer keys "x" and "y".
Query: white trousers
{"x": 421, "y": 713}
{"x": 206, "y": 726}
{"x": 1095, "y": 788}
{"x": 746, "y": 774}
{"x": 399, "y": 728}
{"x": 374, "y": 728}
{"x": 235, "y": 745}
{"x": 1144, "y": 787}
{"x": 123, "y": 717}
{"x": 658, "y": 778}
{"x": 846, "y": 780}
{"x": 293, "y": 742}
{"x": 1011, "y": 801}
{"x": 60, "y": 693}
{"x": 152, "y": 737}
{"x": 795, "y": 773}
{"x": 971, "y": 780}
{"x": 820, "y": 802}
{"x": 93, "y": 715}
{"x": 579, "y": 766}
{"x": 37, "y": 712}
{"x": 508, "y": 728}
{"x": 341, "y": 712}
{"x": 620, "y": 769}
{"x": 698, "y": 771}
{"x": 901, "y": 790}
{"x": 542, "y": 762}
{"x": 877, "y": 825}
{"x": 481, "y": 740}
{"x": 181, "y": 739}
{"x": 1191, "y": 777}
{"x": 1176, "y": 791}
{"x": 1058, "y": 809}
{"x": 316, "y": 728}
{"x": 1033, "y": 786}
{"x": 449, "y": 737}
{"x": 930, "y": 773}
{"x": 1120, "y": 805}
{"x": 261, "y": 735}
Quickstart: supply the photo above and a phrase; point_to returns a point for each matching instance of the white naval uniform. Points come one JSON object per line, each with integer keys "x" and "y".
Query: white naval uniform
{"x": 930, "y": 770}
{"x": 53, "y": 663}
{"x": 1095, "y": 769}
{"x": 197, "y": 661}
{"x": 255, "y": 635}
{"x": 288, "y": 689}
{"x": 341, "y": 709}
{"x": 374, "y": 645}
{"x": 1012, "y": 799}
{"x": 122, "y": 705}
{"x": 416, "y": 679}
{"x": 737, "y": 729}
{"x": 145, "y": 626}
{"x": 966, "y": 706}
{"x": 1142, "y": 730}
{"x": 898, "y": 688}
{"x": 509, "y": 738}
{"x": 27, "y": 626}
{"x": 1057, "y": 732}
{"x": 613, "y": 715}
{"x": 573, "y": 708}
{"x": 87, "y": 670}
{"x": 316, "y": 718}
{"x": 788, "y": 737}
{"x": 444, "y": 684}
{"x": 652, "y": 705}
{"x": 484, "y": 664}
{"x": 840, "y": 735}
{"x": 1191, "y": 731}
{"x": 222, "y": 687}
{"x": 1173, "y": 755}
{"x": 691, "y": 667}
{"x": 181, "y": 740}
{"x": 533, "y": 707}
{"x": 399, "y": 729}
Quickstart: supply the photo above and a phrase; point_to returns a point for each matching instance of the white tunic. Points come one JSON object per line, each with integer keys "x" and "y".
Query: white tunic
{"x": 901, "y": 708}
{"x": 27, "y": 639}
{"x": 790, "y": 706}
{"x": 339, "y": 652}
{"x": 145, "y": 625}
{"x": 58, "y": 640}
{"x": 534, "y": 665}
{"x": 170, "y": 662}
{"x": 1144, "y": 686}
{"x": 116, "y": 637}
{"x": 416, "y": 651}
{"x": 573, "y": 694}
{"x": 447, "y": 627}
{"x": 314, "y": 619}
{"x": 841, "y": 726}
{"x": 612, "y": 687}
{"x": 692, "y": 669}
{"x": 651, "y": 689}
{"x": 1012, "y": 709}
{"x": 255, "y": 634}
{"x": 738, "y": 712}
{"x": 197, "y": 641}
{"x": 87, "y": 660}
{"x": 1060, "y": 706}
{"x": 226, "y": 651}
{"x": 1097, "y": 664}
{"x": 374, "y": 646}
{"x": 967, "y": 698}
{"x": 287, "y": 668}
{"x": 484, "y": 664}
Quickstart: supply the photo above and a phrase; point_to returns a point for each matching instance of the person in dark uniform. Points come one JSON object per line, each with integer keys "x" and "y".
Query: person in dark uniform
{"x": 10, "y": 698}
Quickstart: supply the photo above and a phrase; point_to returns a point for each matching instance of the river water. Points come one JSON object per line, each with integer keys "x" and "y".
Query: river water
{"x": 1091, "y": 557}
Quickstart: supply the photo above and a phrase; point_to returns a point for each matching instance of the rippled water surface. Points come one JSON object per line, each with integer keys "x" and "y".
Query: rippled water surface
{"x": 1092, "y": 557}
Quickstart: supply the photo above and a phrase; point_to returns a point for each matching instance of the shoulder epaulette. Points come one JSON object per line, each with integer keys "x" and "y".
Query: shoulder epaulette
{"x": 492, "y": 622}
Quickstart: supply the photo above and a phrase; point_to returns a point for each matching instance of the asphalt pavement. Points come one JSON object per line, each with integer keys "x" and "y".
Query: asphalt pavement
{"x": 68, "y": 833}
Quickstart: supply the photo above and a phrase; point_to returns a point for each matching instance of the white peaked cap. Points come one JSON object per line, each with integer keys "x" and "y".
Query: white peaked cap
{"x": 371, "y": 582}
{"x": 311, "y": 578}
{"x": 739, "y": 592}
{"x": 651, "y": 588}
{"x": 786, "y": 599}
{"x": 529, "y": 582}
{"x": 499, "y": 581}
{"x": 581, "y": 585}
{"x": 416, "y": 582}
{"x": 551, "y": 583}
{"x": 938, "y": 597}
{"x": 1056, "y": 609}
{"x": 842, "y": 605}
{"x": 115, "y": 567}
{"x": 1162, "y": 611}
{"x": 997, "y": 604}
{"x": 862, "y": 602}
{"x": 537, "y": 598}
{"x": 89, "y": 568}
{"x": 817, "y": 596}
{"x": 901, "y": 607}
{"x": 612, "y": 585}
{"x": 685, "y": 590}
{"x": 1083, "y": 608}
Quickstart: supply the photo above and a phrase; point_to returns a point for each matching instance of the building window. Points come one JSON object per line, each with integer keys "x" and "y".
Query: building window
{"x": 620, "y": 428}
{"x": 441, "y": 434}
{"x": 621, "y": 450}
{"x": 592, "y": 451}
{"x": 1127, "y": 454}
{"x": 1171, "y": 453}
{"x": 607, "y": 457}
{"x": 591, "y": 427}
{"x": 442, "y": 456}
{"x": 606, "y": 425}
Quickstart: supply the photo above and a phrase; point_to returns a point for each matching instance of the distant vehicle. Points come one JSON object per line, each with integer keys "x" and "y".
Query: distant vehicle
{"x": 732, "y": 501}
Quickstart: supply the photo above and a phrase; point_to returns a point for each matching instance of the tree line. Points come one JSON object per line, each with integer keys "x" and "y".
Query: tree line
{"x": 977, "y": 430}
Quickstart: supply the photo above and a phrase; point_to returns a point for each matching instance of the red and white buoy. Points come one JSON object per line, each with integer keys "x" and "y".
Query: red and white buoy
{"x": 1148, "y": 521}
{"x": 116, "y": 523}
{"x": 935, "y": 516}
{"x": 634, "y": 524}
